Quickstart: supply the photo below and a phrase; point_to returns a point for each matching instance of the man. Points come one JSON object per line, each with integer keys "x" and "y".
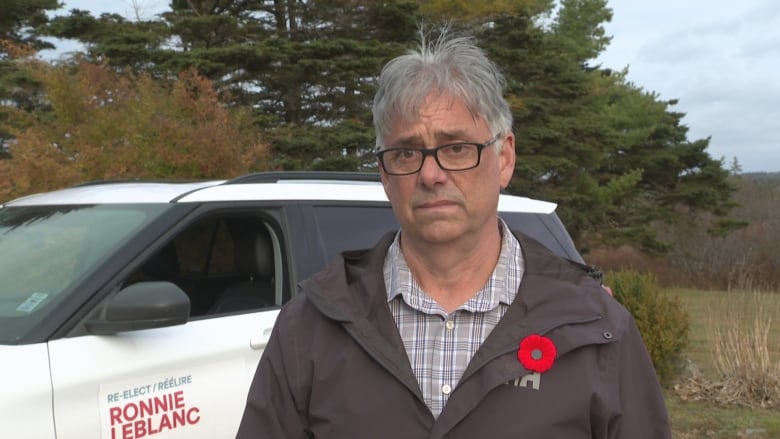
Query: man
{"x": 454, "y": 327}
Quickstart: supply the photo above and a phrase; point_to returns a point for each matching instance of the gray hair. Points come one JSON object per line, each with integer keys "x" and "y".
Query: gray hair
{"x": 448, "y": 65}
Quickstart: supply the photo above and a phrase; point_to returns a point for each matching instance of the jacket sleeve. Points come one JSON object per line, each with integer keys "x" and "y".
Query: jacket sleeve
{"x": 642, "y": 409}
{"x": 273, "y": 410}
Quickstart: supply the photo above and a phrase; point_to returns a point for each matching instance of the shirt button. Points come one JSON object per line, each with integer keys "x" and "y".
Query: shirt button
{"x": 446, "y": 389}
{"x": 450, "y": 324}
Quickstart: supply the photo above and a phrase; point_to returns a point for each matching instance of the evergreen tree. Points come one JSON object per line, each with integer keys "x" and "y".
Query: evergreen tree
{"x": 18, "y": 21}
{"x": 614, "y": 157}
{"x": 305, "y": 67}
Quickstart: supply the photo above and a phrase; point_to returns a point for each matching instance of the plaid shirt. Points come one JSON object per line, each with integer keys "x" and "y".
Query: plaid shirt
{"x": 440, "y": 345}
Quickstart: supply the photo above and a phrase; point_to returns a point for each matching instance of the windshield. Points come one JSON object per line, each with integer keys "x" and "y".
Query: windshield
{"x": 46, "y": 250}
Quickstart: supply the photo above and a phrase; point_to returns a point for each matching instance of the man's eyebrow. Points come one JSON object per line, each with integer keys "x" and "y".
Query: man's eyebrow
{"x": 450, "y": 136}
{"x": 408, "y": 141}
{"x": 442, "y": 137}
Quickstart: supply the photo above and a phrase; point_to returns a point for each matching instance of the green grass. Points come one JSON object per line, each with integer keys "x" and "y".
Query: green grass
{"x": 705, "y": 420}
{"x": 701, "y": 419}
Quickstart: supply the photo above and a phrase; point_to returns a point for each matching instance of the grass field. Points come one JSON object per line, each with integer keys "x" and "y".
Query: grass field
{"x": 710, "y": 311}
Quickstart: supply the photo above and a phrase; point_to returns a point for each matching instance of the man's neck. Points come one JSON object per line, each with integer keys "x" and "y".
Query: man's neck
{"x": 454, "y": 272}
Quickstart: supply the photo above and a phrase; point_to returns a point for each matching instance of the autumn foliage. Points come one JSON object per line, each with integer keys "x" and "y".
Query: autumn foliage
{"x": 101, "y": 125}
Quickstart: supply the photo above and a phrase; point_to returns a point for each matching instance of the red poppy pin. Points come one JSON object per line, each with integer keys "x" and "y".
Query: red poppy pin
{"x": 537, "y": 353}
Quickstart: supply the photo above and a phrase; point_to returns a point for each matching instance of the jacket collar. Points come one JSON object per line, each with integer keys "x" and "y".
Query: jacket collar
{"x": 351, "y": 290}
{"x": 356, "y": 290}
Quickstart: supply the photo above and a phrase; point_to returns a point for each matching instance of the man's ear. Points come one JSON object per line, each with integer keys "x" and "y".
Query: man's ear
{"x": 506, "y": 159}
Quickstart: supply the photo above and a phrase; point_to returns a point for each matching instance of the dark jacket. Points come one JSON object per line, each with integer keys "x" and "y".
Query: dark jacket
{"x": 335, "y": 366}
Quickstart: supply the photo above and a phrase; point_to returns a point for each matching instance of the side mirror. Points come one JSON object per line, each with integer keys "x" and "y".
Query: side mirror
{"x": 142, "y": 305}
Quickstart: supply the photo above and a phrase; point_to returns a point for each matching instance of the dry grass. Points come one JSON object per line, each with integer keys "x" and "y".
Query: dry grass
{"x": 694, "y": 404}
{"x": 745, "y": 353}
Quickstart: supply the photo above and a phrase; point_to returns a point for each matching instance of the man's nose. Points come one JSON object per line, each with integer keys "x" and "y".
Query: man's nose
{"x": 430, "y": 170}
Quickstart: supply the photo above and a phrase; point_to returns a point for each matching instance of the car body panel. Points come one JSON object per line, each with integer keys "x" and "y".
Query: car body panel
{"x": 26, "y": 401}
{"x": 177, "y": 370}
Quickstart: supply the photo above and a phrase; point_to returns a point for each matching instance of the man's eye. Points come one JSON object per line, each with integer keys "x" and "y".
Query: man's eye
{"x": 401, "y": 155}
{"x": 455, "y": 148}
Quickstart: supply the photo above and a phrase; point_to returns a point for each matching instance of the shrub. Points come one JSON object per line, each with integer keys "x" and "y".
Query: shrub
{"x": 661, "y": 319}
{"x": 745, "y": 351}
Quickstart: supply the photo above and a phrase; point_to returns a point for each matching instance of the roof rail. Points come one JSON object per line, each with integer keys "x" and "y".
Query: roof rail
{"x": 275, "y": 176}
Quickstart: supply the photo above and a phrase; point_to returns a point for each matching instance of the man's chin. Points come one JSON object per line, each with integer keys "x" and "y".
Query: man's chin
{"x": 440, "y": 232}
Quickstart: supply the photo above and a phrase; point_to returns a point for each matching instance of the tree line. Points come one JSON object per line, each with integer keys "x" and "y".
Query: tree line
{"x": 215, "y": 88}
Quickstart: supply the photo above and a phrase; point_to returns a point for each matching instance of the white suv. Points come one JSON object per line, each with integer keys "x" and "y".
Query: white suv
{"x": 141, "y": 309}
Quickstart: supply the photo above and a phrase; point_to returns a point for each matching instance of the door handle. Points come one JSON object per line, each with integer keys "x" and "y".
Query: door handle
{"x": 260, "y": 342}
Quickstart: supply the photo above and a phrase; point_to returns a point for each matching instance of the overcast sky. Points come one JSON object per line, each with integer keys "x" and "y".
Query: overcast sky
{"x": 720, "y": 58}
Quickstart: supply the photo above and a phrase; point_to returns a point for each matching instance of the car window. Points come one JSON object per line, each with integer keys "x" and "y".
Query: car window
{"x": 224, "y": 263}
{"x": 356, "y": 227}
{"x": 206, "y": 248}
{"x": 46, "y": 250}
{"x": 545, "y": 228}
{"x": 352, "y": 227}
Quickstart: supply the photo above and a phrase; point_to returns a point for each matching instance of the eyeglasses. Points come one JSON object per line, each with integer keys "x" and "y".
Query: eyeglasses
{"x": 452, "y": 157}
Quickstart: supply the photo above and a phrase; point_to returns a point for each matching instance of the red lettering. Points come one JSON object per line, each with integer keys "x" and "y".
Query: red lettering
{"x": 165, "y": 422}
{"x": 127, "y": 431}
{"x": 179, "y": 418}
{"x": 161, "y": 404}
{"x": 130, "y": 412}
{"x": 146, "y": 408}
{"x": 179, "y": 399}
{"x": 193, "y": 419}
{"x": 150, "y": 428}
{"x": 137, "y": 418}
{"x": 140, "y": 428}
{"x": 115, "y": 414}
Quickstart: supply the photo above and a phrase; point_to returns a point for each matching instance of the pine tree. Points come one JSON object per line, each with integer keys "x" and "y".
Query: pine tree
{"x": 18, "y": 20}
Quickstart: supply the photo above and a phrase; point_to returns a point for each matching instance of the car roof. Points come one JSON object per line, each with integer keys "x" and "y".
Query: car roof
{"x": 113, "y": 193}
{"x": 300, "y": 186}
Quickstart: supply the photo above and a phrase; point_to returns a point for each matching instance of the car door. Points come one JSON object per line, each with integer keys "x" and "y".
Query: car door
{"x": 185, "y": 381}
{"x": 25, "y": 406}
{"x": 182, "y": 381}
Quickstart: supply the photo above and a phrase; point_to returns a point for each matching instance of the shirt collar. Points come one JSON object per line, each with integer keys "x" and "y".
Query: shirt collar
{"x": 501, "y": 287}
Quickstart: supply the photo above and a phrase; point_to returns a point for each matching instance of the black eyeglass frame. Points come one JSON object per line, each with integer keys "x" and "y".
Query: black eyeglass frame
{"x": 435, "y": 153}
